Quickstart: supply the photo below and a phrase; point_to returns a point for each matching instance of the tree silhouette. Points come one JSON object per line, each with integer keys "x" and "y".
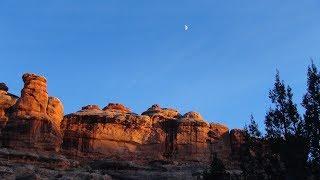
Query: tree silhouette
{"x": 251, "y": 157}
{"x": 311, "y": 103}
{"x": 284, "y": 128}
{"x": 217, "y": 169}
{"x": 252, "y": 130}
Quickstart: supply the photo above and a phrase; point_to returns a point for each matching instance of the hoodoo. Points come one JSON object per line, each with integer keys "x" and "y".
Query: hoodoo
{"x": 35, "y": 119}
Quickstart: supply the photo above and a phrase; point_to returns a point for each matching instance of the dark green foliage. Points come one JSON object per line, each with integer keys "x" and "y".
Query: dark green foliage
{"x": 217, "y": 170}
{"x": 290, "y": 148}
{"x": 283, "y": 119}
{"x": 252, "y": 130}
{"x": 251, "y": 157}
{"x": 285, "y": 132}
{"x": 311, "y": 103}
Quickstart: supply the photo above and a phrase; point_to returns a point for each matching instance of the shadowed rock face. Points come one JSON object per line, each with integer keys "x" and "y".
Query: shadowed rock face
{"x": 35, "y": 118}
{"x": 237, "y": 138}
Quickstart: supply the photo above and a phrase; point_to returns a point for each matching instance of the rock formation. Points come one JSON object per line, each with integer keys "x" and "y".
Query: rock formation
{"x": 35, "y": 119}
{"x": 7, "y": 100}
{"x": 157, "y": 134}
{"x": 160, "y": 142}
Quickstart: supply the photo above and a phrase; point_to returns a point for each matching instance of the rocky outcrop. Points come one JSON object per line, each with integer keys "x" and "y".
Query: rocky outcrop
{"x": 113, "y": 140}
{"x": 156, "y": 113}
{"x": 35, "y": 119}
{"x": 116, "y": 107}
{"x": 157, "y": 134}
{"x": 3, "y": 87}
{"x": 55, "y": 111}
{"x": 111, "y": 132}
{"x": 7, "y": 100}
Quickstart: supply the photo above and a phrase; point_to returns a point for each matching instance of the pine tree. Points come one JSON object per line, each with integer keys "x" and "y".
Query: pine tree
{"x": 283, "y": 120}
{"x": 311, "y": 103}
{"x": 284, "y": 128}
{"x": 217, "y": 169}
{"x": 252, "y": 129}
{"x": 251, "y": 156}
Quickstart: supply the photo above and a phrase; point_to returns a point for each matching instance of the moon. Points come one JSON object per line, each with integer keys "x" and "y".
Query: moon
{"x": 186, "y": 27}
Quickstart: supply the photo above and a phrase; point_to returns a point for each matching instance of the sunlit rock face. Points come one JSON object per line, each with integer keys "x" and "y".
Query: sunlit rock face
{"x": 7, "y": 101}
{"x": 33, "y": 129}
{"x": 35, "y": 118}
{"x": 157, "y": 134}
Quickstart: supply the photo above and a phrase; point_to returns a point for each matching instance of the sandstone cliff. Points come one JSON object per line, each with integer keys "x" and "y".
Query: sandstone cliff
{"x": 157, "y": 134}
{"x": 161, "y": 139}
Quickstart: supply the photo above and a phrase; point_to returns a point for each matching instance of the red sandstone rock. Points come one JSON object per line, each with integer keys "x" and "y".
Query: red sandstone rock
{"x": 116, "y": 107}
{"x": 156, "y": 113}
{"x": 35, "y": 121}
{"x": 34, "y": 97}
{"x": 159, "y": 134}
{"x": 90, "y": 107}
{"x": 193, "y": 115}
{"x": 129, "y": 136}
{"x": 3, "y": 87}
{"x": 7, "y": 100}
{"x": 55, "y": 110}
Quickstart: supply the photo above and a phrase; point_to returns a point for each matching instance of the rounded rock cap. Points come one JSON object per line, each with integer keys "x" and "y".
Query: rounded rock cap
{"x": 30, "y": 76}
{"x": 154, "y": 107}
{"x": 91, "y": 107}
{"x": 193, "y": 115}
{"x": 4, "y": 87}
{"x": 116, "y": 107}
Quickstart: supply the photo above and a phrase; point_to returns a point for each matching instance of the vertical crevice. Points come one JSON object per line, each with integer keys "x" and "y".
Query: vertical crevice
{"x": 170, "y": 127}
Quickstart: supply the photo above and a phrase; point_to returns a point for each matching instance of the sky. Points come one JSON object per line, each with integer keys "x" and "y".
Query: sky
{"x": 137, "y": 52}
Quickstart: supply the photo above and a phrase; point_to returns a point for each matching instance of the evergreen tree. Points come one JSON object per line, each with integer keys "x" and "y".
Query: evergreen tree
{"x": 217, "y": 169}
{"x": 252, "y": 129}
{"x": 251, "y": 159}
{"x": 311, "y": 103}
{"x": 284, "y": 129}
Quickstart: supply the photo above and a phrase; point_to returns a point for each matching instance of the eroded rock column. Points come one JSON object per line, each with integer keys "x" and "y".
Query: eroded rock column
{"x": 36, "y": 117}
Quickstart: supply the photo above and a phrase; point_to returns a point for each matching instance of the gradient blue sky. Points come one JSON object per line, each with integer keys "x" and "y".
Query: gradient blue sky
{"x": 137, "y": 52}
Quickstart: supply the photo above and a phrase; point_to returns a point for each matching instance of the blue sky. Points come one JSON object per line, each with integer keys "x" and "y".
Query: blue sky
{"x": 137, "y": 52}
